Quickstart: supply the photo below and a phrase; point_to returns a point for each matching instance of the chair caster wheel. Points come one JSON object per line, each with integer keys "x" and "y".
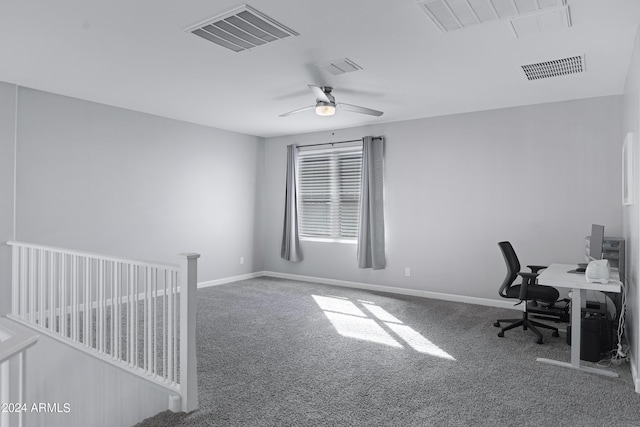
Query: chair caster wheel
{"x": 501, "y": 334}
{"x": 497, "y": 324}
{"x": 555, "y": 334}
{"x": 539, "y": 341}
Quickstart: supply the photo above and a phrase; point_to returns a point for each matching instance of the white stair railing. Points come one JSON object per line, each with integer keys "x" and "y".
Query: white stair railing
{"x": 137, "y": 315}
{"x": 14, "y": 342}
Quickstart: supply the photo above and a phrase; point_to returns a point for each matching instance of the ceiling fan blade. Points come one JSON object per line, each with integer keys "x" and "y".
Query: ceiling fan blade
{"x": 319, "y": 94}
{"x": 358, "y": 109}
{"x": 297, "y": 111}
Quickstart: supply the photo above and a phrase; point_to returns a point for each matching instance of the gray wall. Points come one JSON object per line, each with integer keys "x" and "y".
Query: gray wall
{"x": 631, "y": 213}
{"x": 99, "y": 394}
{"x": 538, "y": 176}
{"x": 108, "y": 180}
{"x": 113, "y": 181}
{"x": 7, "y": 141}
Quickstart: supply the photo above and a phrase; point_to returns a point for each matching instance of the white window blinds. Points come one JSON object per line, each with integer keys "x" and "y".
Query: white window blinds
{"x": 329, "y": 192}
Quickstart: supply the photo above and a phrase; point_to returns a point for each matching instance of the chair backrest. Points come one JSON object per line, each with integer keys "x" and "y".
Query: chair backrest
{"x": 513, "y": 266}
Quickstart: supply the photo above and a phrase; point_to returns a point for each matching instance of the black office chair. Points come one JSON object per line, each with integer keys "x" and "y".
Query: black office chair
{"x": 526, "y": 291}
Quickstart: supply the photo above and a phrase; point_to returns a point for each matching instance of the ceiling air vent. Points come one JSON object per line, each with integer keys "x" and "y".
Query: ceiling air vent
{"x": 558, "y": 67}
{"x": 451, "y": 15}
{"x": 241, "y": 29}
{"x": 339, "y": 66}
{"x": 545, "y": 20}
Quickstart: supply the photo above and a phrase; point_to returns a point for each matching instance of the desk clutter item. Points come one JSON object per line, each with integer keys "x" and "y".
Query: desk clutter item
{"x": 613, "y": 250}
{"x": 556, "y": 312}
{"x": 597, "y": 271}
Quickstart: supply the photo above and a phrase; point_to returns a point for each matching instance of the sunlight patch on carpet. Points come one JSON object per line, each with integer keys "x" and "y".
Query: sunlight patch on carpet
{"x": 360, "y": 328}
{"x": 380, "y": 313}
{"x": 418, "y": 342}
{"x": 352, "y": 322}
{"x": 338, "y": 305}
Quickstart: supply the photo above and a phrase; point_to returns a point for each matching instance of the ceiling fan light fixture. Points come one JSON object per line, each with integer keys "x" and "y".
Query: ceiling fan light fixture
{"x": 325, "y": 108}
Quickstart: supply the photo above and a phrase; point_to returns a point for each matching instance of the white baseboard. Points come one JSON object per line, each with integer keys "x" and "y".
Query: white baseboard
{"x": 394, "y": 290}
{"x": 230, "y": 279}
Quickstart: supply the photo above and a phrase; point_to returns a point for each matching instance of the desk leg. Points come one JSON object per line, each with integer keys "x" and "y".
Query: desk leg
{"x": 576, "y": 323}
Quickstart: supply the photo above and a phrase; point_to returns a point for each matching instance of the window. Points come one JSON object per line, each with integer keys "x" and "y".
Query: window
{"x": 329, "y": 192}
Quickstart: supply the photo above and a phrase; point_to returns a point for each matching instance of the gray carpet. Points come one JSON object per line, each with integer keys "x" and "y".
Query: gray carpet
{"x": 268, "y": 355}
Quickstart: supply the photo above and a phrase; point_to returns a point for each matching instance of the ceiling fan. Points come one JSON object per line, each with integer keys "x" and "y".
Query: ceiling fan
{"x": 326, "y": 104}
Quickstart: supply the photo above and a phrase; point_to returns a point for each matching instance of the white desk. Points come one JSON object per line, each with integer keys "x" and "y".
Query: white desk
{"x": 558, "y": 276}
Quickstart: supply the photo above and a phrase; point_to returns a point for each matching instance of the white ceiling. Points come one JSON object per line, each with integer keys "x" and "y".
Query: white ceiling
{"x": 135, "y": 55}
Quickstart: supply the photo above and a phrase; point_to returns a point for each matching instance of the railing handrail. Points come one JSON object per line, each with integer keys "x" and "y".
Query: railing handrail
{"x": 14, "y": 339}
{"x": 110, "y": 258}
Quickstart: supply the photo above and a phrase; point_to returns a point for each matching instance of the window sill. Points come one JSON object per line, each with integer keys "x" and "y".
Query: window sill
{"x": 329, "y": 240}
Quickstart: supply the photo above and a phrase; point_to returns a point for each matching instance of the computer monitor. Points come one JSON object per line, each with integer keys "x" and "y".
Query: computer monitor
{"x": 596, "y": 241}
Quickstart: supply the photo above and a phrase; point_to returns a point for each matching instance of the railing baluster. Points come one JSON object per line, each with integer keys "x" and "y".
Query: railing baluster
{"x": 130, "y": 337}
{"x": 86, "y": 310}
{"x": 170, "y": 330}
{"x": 112, "y": 308}
{"x": 52, "y": 295}
{"x": 103, "y": 307}
{"x": 165, "y": 347}
{"x": 155, "y": 321}
{"x": 147, "y": 319}
{"x": 136, "y": 336}
{"x": 63, "y": 302}
{"x": 175, "y": 328}
{"x": 5, "y": 391}
{"x": 15, "y": 279}
{"x": 118, "y": 308}
{"x": 32, "y": 285}
{"x": 41, "y": 286}
{"x": 92, "y": 295}
{"x": 74, "y": 298}
{"x": 103, "y": 304}
{"x": 99, "y": 296}
{"x": 24, "y": 276}
{"x": 22, "y": 387}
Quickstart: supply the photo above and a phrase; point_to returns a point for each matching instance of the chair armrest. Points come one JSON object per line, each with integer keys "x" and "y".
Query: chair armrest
{"x": 536, "y": 268}
{"x": 527, "y": 279}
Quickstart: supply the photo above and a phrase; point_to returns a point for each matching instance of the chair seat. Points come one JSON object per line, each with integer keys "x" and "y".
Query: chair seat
{"x": 536, "y": 292}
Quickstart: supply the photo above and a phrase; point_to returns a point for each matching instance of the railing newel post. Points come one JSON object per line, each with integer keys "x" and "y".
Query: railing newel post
{"x": 188, "y": 308}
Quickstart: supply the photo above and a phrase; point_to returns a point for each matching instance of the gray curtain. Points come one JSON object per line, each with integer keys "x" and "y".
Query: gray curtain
{"x": 290, "y": 240}
{"x": 371, "y": 225}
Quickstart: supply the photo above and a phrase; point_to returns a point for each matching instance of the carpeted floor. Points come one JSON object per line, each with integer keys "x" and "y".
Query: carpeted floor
{"x": 275, "y": 352}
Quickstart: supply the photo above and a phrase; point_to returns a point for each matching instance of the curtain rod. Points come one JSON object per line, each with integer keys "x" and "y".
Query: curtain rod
{"x": 337, "y": 142}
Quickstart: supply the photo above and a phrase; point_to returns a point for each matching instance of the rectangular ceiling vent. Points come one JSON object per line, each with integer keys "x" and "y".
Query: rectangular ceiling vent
{"x": 241, "y": 29}
{"x": 545, "y": 20}
{"x": 339, "y": 66}
{"x": 451, "y": 15}
{"x": 558, "y": 67}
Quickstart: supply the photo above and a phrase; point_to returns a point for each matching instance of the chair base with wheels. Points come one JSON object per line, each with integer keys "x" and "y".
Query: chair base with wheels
{"x": 526, "y": 323}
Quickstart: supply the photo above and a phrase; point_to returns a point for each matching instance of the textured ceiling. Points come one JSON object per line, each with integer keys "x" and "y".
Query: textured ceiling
{"x": 135, "y": 55}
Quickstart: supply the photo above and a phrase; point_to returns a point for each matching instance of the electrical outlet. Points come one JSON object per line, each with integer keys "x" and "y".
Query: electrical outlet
{"x": 407, "y": 271}
{"x": 241, "y": 260}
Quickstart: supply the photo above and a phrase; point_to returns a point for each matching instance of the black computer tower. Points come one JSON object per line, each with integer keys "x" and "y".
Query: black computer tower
{"x": 596, "y": 333}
